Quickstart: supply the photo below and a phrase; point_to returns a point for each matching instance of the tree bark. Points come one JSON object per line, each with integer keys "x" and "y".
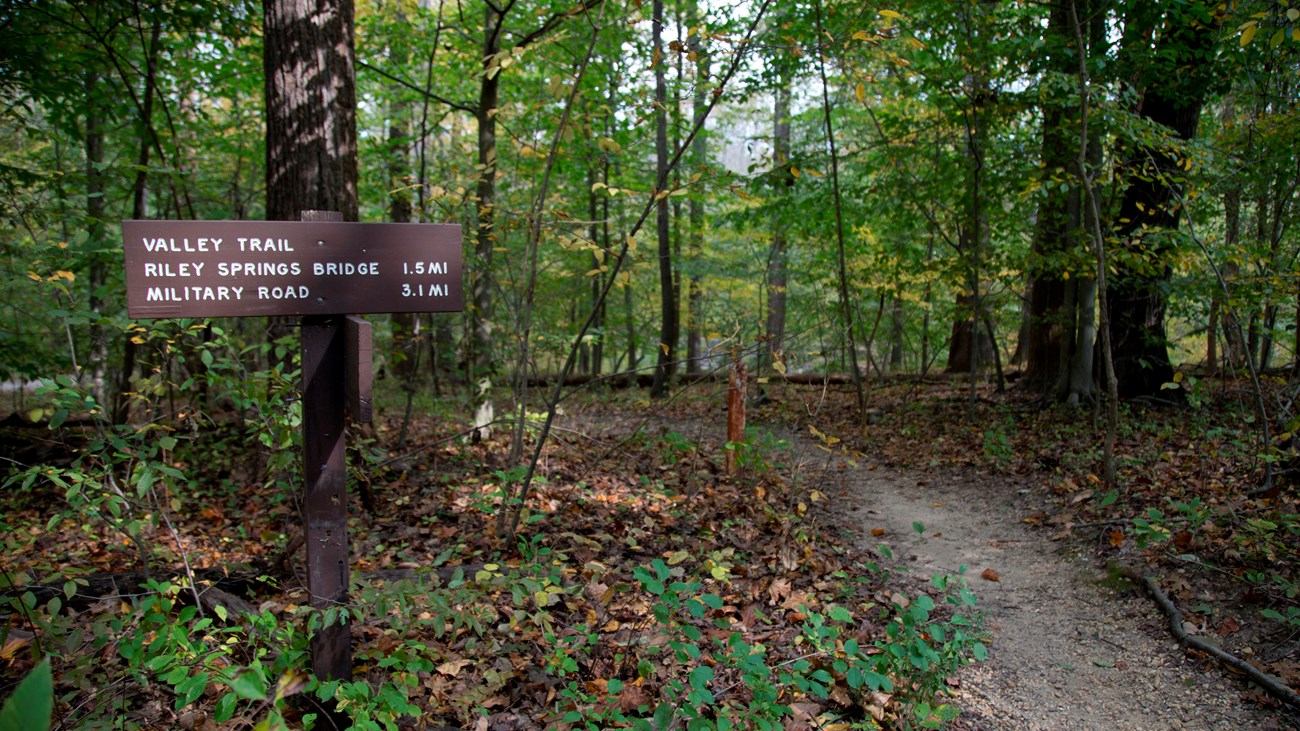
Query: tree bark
{"x": 668, "y": 330}
{"x": 700, "y": 153}
{"x": 777, "y": 273}
{"x": 311, "y": 132}
{"x": 1175, "y": 91}
{"x": 1056, "y": 235}
{"x": 480, "y": 350}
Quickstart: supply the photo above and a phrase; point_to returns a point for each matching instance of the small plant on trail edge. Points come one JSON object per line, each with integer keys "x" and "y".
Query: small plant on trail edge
{"x": 712, "y": 678}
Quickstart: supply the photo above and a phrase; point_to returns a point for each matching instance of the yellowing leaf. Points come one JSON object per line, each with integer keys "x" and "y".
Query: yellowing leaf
{"x": 914, "y": 43}
{"x": 795, "y": 171}
{"x": 862, "y": 35}
{"x": 861, "y": 93}
{"x": 677, "y": 557}
{"x": 1248, "y": 33}
{"x": 892, "y": 14}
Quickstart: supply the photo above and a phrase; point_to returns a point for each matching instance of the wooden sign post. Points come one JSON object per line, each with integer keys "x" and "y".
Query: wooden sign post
{"x": 326, "y": 271}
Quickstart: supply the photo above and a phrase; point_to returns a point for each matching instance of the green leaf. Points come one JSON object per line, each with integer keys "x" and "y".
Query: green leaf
{"x": 700, "y": 676}
{"x": 249, "y": 684}
{"x": 225, "y": 708}
{"x": 663, "y": 716}
{"x": 32, "y": 702}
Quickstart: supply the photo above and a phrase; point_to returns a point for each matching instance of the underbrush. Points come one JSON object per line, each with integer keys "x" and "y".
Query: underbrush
{"x": 646, "y": 591}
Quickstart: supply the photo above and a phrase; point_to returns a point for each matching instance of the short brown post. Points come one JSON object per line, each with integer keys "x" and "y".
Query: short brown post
{"x": 325, "y": 502}
{"x": 735, "y": 412}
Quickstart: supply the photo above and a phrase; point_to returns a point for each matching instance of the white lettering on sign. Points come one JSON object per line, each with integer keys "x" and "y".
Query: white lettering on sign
{"x": 263, "y": 245}
{"x": 181, "y": 246}
{"x": 193, "y": 294}
{"x": 424, "y": 290}
{"x": 282, "y": 293}
{"x": 424, "y": 267}
{"x": 167, "y": 269}
{"x": 258, "y": 268}
{"x": 346, "y": 268}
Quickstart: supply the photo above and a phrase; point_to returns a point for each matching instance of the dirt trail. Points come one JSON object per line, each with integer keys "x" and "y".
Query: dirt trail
{"x": 1065, "y": 652}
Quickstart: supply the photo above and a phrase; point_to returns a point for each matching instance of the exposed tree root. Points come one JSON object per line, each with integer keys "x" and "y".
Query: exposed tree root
{"x": 1270, "y": 683}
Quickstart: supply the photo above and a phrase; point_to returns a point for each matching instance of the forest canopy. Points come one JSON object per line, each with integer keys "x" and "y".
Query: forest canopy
{"x": 922, "y": 187}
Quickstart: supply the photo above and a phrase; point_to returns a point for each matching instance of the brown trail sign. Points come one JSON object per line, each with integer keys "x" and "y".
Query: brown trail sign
{"x": 246, "y": 268}
{"x": 327, "y": 271}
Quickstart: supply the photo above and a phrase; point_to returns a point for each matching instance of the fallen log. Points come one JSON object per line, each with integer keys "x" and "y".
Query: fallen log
{"x": 1271, "y": 684}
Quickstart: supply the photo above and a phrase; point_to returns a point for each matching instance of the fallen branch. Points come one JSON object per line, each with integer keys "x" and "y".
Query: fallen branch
{"x": 1270, "y": 683}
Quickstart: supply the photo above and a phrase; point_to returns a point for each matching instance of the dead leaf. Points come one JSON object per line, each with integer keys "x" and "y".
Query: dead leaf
{"x": 877, "y": 532}
{"x": 1228, "y": 626}
{"x": 452, "y": 668}
{"x": 1116, "y": 537}
{"x": 990, "y": 575}
{"x": 17, "y": 640}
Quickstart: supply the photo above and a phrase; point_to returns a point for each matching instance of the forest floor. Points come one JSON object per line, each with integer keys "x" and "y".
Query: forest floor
{"x": 828, "y": 520}
{"x": 1073, "y": 643}
{"x": 1067, "y": 650}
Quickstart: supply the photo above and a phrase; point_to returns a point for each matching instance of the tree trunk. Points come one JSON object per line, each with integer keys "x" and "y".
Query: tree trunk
{"x": 480, "y": 350}
{"x": 700, "y": 153}
{"x": 311, "y": 132}
{"x": 311, "y": 156}
{"x": 1056, "y": 235}
{"x": 95, "y": 214}
{"x": 1234, "y": 346}
{"x": 896, "y": 323}
{"x": 667, "y": 291}
{"x": 777, "y": 272}
{"x": 397, "y": 161}
{"x": 1173, "y": 98}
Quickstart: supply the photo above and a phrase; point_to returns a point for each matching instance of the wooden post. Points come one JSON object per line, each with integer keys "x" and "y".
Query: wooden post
{"x": 360, "y": 344}
{"x": 735, "y": 412}
{"x": 325, "y": 502}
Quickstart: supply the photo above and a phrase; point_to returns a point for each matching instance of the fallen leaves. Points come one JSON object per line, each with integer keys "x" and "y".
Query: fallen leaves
{"x": 990, "y": 575}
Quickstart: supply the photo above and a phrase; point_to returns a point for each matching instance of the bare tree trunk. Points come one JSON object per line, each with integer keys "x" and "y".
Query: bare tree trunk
{"x": 480, "y": 361}
{"x": 95, "y": 213}
{"x": 700, "y": 153}
{"x": 668, "y": 331}
{"x": 846, "y": 304}
{"x": 777, "y": 272}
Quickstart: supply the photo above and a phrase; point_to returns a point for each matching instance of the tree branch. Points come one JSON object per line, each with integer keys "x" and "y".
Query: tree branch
{"x": 1270, "y": 683}
{"x": 410, "y": 85}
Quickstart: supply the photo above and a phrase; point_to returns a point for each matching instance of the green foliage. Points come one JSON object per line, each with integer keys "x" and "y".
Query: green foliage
{"x": 29, "y": 707}
{"x": 917, "y": 653}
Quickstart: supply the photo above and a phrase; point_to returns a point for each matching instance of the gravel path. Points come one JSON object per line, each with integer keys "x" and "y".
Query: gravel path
{"x": 1065, "y": 652}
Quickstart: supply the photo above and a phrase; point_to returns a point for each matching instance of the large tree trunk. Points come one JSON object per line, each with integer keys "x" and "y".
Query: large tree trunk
{"x": 668, "y": 330}
{"x": 1175, "y": 91}
{"x": 311, "y": 132}
{"x": 1056, "y": 235}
